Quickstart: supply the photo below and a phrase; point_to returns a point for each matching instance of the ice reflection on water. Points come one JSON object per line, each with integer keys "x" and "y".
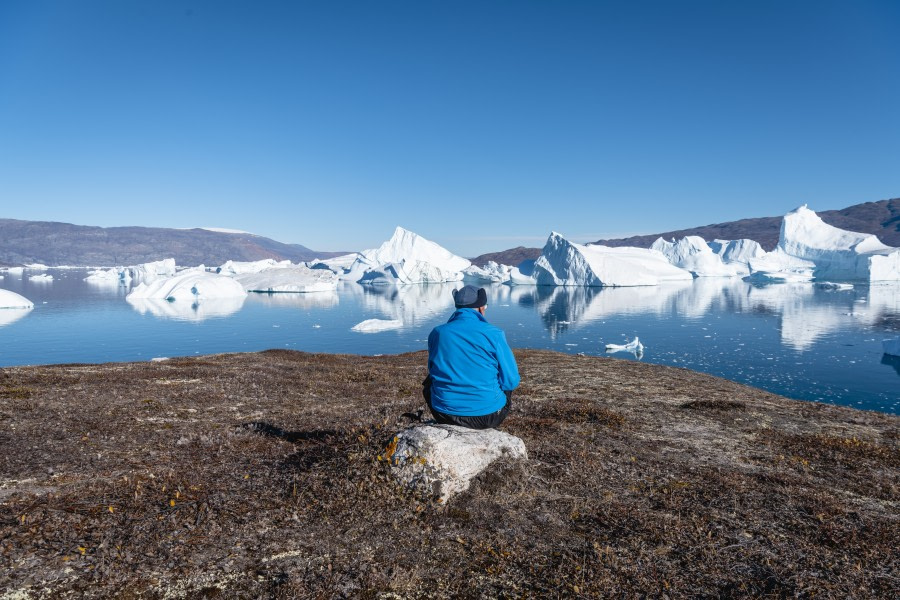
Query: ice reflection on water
{"x": 795, "y": 339}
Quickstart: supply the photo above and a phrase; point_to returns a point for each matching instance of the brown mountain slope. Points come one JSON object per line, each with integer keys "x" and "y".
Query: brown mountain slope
{"x": 880, "y": 218}
{"x": 55, "y": 244}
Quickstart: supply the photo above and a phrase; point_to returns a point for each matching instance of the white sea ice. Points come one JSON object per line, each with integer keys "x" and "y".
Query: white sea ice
{"x": 634, "y": 346}
{"x": 13, "y": 300}
{"x": 376, "y": 325}
{"x": 295, "y": 278}
{"x": 891, "y": 346}
{"x": 566, "y": 263}
{"x": 693, "y": 254}
{"x": 241, "y": 268}
{"x": 406, "y": 258}
{"x": 190, "y": 287}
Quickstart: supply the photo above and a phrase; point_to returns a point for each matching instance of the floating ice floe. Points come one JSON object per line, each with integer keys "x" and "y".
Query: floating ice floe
{"x": 37, "y": 267}
{"x": 406, "y": 258}
{"x": 42, "y": 278}
{"x": 13, "y": 300}
{"x": 721, "y": 258}
{"x": 193, "y": 286}
{"x": 837, "y": 254}
{"x": 242, "y": 268}
{"x": 296, "y": 279}
{"x": 891, "y": 346}
{"x": 566, "y": 263}
{"x": 376, "y": 325}
{"x": 16, "y": 271}
{"x": 634, "y": 347}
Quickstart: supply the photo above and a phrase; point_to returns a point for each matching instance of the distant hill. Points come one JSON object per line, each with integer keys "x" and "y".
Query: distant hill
{"x": 57, "y": 244}
{"x": 881, "y": 218}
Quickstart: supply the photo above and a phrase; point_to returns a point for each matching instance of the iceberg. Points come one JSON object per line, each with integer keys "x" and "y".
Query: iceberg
{"x": 43, "y": 278}
{"x": 296, "y": 279}
{"x": 406, "y": 258}
{"x": 779, "y": 267}
{"x": 16, "y": 271}
{"x": 891, "y": 346}
{"x": 13, "y": 300}
{"x": 152, "y": 271}
{"x": 837, "y": 254}
{"x": 241, "y": 268}
{"x": 492, "y": 272}
{"x": 736, "y": 251}
{"x": 693, "y": 254}
{"x": 115, "y": 276}
{"x": 376, "y": 325}
{"x": 566, "y": 263}
{"x": 634, "y": 346}
{"x": 193, "y": 286}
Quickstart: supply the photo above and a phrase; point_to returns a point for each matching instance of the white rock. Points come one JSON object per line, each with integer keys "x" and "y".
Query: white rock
{"x": 13, "y": 300}
{"x": 190, "y": 287}
{"x": 441, "y": 460}
{"x": 295, "y": 278}
{"x": 566, "y": 263}
{"x": 891, "y": 346}
{"x": 376, "y": 325}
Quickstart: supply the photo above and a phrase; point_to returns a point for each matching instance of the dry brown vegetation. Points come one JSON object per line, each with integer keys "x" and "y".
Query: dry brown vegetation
{"x": 255, "y": 475}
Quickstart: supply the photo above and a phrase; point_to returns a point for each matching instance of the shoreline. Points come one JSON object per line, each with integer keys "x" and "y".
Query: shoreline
{"x": 256, "y": 474}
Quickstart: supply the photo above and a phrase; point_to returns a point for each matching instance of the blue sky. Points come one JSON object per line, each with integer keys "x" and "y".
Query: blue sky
{"x": 480, "y": 125}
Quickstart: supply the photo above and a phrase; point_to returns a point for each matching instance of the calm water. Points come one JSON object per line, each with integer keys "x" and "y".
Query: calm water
{"x": 792, "y": 339}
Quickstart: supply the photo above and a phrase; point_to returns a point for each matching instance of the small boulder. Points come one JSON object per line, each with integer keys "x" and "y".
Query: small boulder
{"x": 441, "y": 460}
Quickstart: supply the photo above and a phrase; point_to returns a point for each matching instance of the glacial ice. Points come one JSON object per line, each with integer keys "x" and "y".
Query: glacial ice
{"x": 115, "y": 276}
{"x": 242, "y": 268}
{"x": 295, "y": 278}
{"x": 634, "y": 346}
{"x": 13, "y": 300}
{"x": 152, "y": 271}
{"x": 779, "y": 267}
{"x": 406, "y": 258}
{"x": 891, "y": 346}
{"x": 492, "y": 272}
{"x": 376, "y": 325}
{"x": 42, "y": 278}
{"x": 693, "y": 254}
{"x": 192, "y": 287}
{"x": 837, "y": 254}
{"x": 566, "y": 263}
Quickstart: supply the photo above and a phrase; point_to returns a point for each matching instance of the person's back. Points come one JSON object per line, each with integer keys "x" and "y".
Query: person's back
{"x": 472, "y": 371}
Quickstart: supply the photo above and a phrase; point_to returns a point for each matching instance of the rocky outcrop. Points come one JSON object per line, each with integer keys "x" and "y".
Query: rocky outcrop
{"x": 441, "y": 460}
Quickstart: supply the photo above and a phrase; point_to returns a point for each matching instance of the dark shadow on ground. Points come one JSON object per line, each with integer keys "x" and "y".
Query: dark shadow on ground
{"x": 267, "y": 429}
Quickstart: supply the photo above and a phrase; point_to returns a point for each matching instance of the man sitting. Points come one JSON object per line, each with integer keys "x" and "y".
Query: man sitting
{"x": 471, "y": 369}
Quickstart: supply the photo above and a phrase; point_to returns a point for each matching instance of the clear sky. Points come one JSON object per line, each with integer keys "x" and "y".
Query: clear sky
{"x": 480, "y": 125}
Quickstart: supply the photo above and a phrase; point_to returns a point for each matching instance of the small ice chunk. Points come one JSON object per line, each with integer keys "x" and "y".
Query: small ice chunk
{"x": 42, "y": 278}
{"x": 634, "y": 346}
{"x": 375, "y": 325}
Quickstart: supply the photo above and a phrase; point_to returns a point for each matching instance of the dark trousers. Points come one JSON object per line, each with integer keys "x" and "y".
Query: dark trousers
{"x": 480, "y": 422}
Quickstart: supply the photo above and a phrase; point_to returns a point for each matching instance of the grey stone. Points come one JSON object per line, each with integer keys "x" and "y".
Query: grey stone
{"x": 441, "y": 460}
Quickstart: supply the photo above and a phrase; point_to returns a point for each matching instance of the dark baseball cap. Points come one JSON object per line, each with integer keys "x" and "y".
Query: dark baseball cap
{"x": 470, "y": 296}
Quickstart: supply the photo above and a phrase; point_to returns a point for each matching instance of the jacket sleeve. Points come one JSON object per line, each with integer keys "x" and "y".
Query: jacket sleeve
{"x": 509, "y": 372}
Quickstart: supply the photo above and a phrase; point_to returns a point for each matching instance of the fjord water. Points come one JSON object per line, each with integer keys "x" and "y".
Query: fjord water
{"x": 797, "y": 340}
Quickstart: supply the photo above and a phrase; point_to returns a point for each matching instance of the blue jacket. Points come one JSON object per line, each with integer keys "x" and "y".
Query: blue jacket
{"x": 470, "y": 364}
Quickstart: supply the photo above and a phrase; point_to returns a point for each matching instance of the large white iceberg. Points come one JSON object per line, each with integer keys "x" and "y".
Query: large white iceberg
{"x": 192, "y": 287}
{"x": 13, "y": 300}
{"x": 566, "y": 263}
{"x": 296, "y": 278}
{"x": 152, "y": 271}
{"x": 112, "y": 277}
{"x": 242, "y": 268}
{"x": 779, "y": 267}
{"x": 693, "y": 254}
{"x": 838, "y": 255}
{"x": 491, "y": 272}
{"x": 407, "y": 258}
